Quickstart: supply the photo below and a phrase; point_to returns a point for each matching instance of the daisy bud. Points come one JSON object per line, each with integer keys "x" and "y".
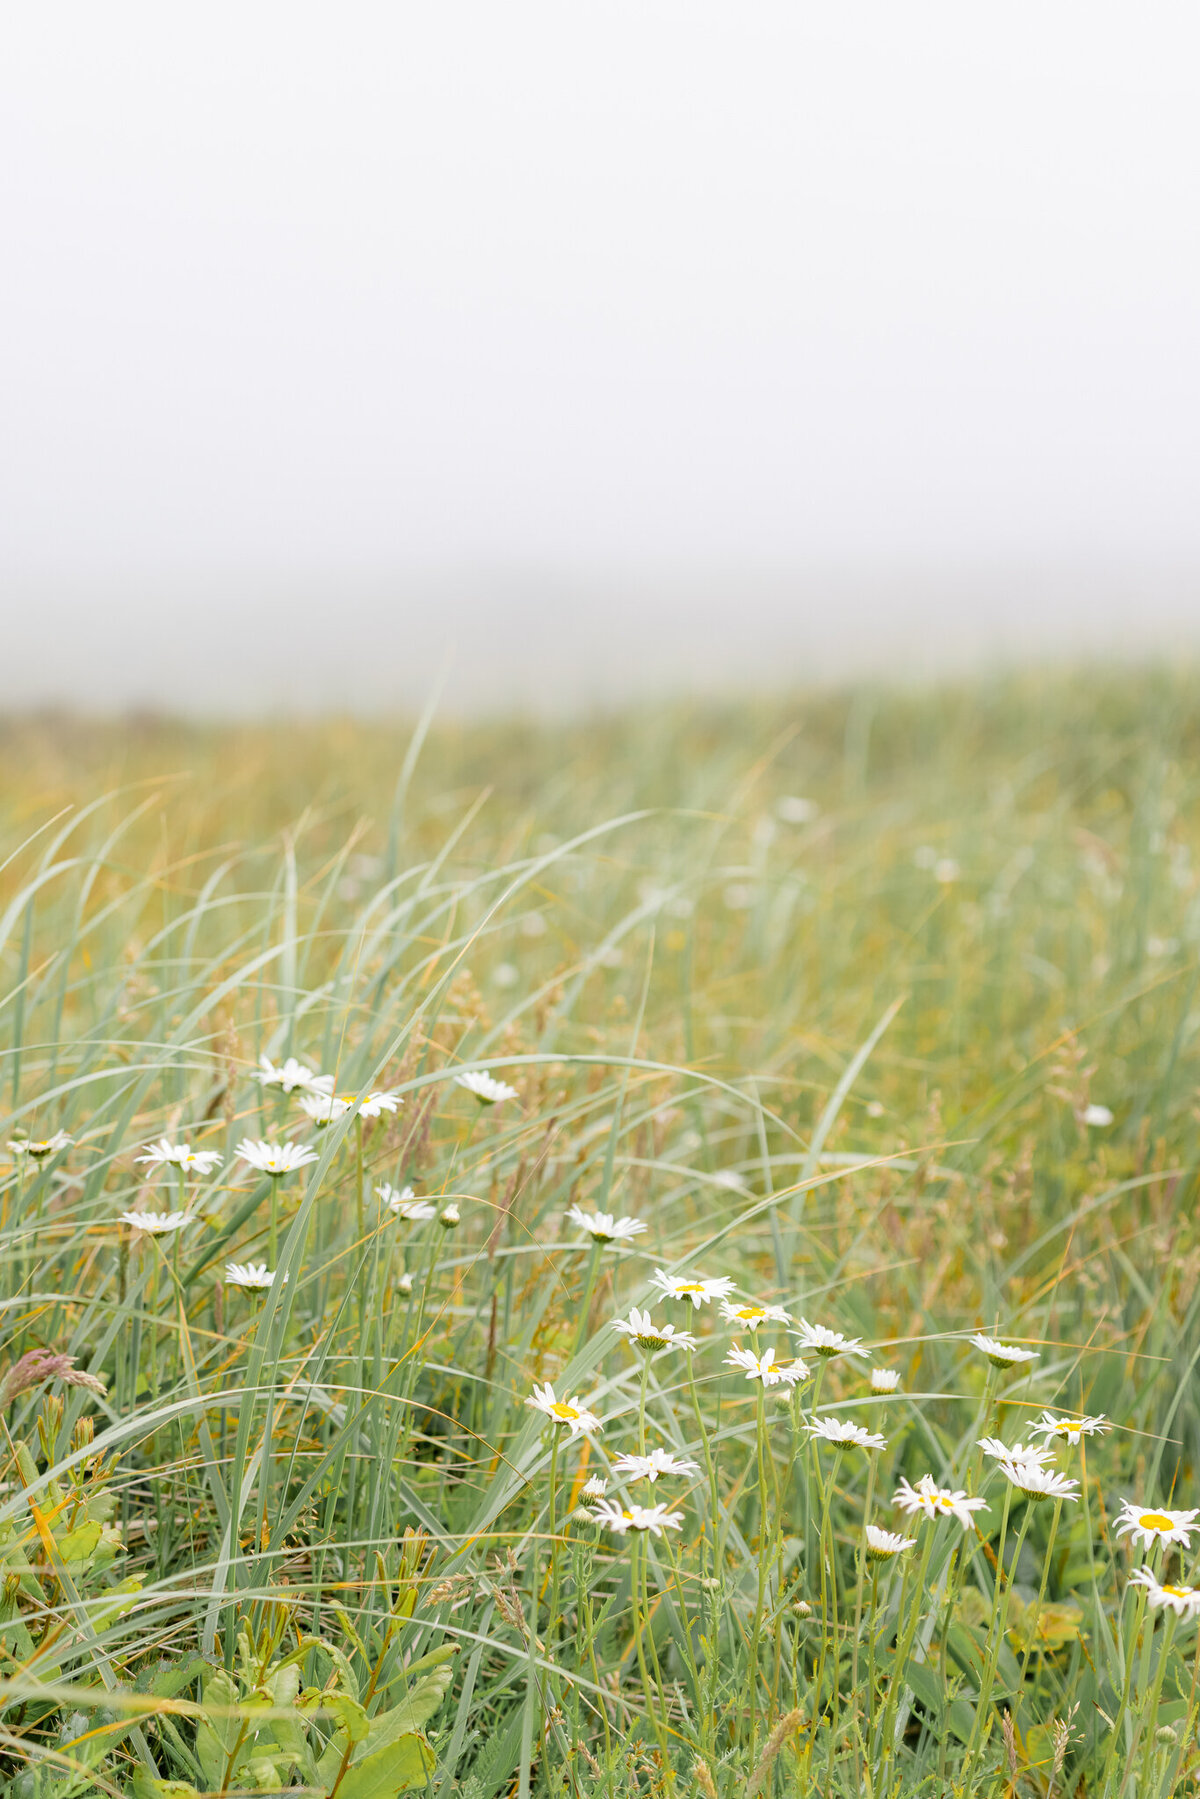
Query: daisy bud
{"x": 449, "y": 1217}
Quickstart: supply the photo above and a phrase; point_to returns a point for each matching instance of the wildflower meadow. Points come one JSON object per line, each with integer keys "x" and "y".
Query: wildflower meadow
{"x": 647, "y": 1257}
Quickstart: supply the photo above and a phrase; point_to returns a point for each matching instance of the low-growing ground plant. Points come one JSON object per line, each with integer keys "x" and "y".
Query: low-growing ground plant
{"x": 648, "y": 1259}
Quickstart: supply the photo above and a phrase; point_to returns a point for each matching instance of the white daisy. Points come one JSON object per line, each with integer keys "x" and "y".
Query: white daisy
{"x": 323, "y": 1108}
{"x": 882, "y": 1545}
{"x": 292, "y": 1075}
{"x": 1000, "y": 1452}
{"x": 641, "y": 1329}
{"x": 649, "y": 1467}
{"x": 406, "y": 1205}
{"x": 885, "y": 1380}
{"x": 578, "y": 1420}
{"x": 1183, "y": 1601}
{"x": 826, "y": 1342}
{"x": 255, "y": 1275}
{"x": 937, "y": 1502}
{"x": 1037, "y": 1481}
{"x": 1156, "y": 1526}
{"x": 450, "y": 1217}
{"x": 1072, "y": 1430}
{"x": 327, "y": 1108}
{"x": 275, "y": 1159}
{"x": 595, "y": 1487}
{"x": 156, "y": 1224}
{"x": 1002, "y": 1355}
{"x": 654, "y": 1518}
{"x": 700, "y": 1292}
{"x": 604, "y": 1227}
{"x": 765, "y": 1368}
{"x": 844, "y": 1433}
{"x": 165, "y": 1154}
{"x": 40, "y": 1147}
{"x": 487, "y": 1091}
{"x": 751, "y": 1316}
{"x": 1098, "y": 1116}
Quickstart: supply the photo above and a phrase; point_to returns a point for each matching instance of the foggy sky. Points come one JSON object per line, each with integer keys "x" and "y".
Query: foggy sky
{"x": 332, "y": 332}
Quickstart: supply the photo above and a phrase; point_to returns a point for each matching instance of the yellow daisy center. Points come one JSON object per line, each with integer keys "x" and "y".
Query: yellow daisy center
{"x": 748, "y": 1312}
{"x": 561, "y": 1409}
{"x": 943, "y": 1499}
{"x": 1178, "y": 1592}
{"x": 691, "y": 1287}
{"x": 1155, "y": 1521}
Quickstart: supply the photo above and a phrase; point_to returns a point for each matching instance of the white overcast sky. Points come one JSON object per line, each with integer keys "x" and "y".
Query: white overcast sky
{"x": 401, "y": 322}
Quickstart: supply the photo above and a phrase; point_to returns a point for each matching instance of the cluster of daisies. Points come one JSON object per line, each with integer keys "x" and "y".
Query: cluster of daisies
{"x": 322, "y": 1105}
{"x": 1028, "y": 1468}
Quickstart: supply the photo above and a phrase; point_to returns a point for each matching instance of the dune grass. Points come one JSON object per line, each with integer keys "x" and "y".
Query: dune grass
{"x": 881, "y": 1008}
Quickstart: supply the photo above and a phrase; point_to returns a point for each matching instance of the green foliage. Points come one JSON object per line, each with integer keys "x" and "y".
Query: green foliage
{"x": 822, "y": 994}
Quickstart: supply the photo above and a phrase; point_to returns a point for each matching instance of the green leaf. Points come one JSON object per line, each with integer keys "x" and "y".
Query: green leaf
{"x": 415, "y": 1709}
{"x": 350, "y": 1714}
{"x": 170, "y": 1678}
{"x": 217, "y": 1735}
{"x": 77, "y": 1547}
{"x": 386, "y": 1772}
{"x": 283, "y": 1684}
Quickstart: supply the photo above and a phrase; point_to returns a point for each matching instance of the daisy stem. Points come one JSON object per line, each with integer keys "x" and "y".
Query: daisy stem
{"x": 752, "y": 1671}
{"x": 659, "y": 1683}
{"x": 588, "y": 1289}
{"x": 1147, "y": 1641}
{"x": 706, "y": 1448}
{"x": 152, "y": 1311}
{"x": 1119, "y": 1720}
{"x": 1150, "y": 1720}
{"x": 175, "y": 1235}
{"x": 862, "y": 1569}
{"x": 780, "y": 1493}
{"x": 358, "y": 1176}
{"x": 642, "y": 1402}
{"x": 1032, "y": 1623}
{"x": 950, "y": 1591}
{"x": 872, "y": 1626}
{"x": 903, "y": 1651}
{"x": 829, "y": 1550}
{"x": 821, "y": 1559}
{"x": 990, "y": 1651}
{"x": 1103, "y": 1634}
{"x": 705, "y": 1718}
{"x": 636, "y": 1587}
{"x": 1000, "y": 1618}
{"x": 551, "y": 1507}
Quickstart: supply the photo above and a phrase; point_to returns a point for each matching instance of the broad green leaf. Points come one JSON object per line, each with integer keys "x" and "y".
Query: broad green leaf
{"x": 386, "y": 1772}
{"x": 170, "y": 1678}
{"x": 415, "y": 1709}
{"x": 77, "y": 1547}
{"x": 217, "y": 1735}
{"x": 283, "y": 1684}
{"x": 351, "y": 1716}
